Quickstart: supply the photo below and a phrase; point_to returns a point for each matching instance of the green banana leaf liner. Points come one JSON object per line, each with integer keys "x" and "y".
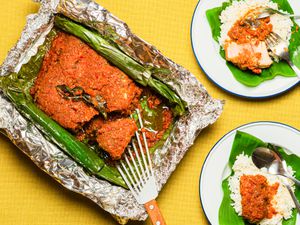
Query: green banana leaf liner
{"x": 246, "y": 143}
{"x": 16, "y": 87}
{"x": 277, "y": 69}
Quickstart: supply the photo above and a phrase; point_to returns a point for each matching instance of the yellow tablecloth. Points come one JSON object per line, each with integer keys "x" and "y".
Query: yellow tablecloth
{"x": 30, "y": 197}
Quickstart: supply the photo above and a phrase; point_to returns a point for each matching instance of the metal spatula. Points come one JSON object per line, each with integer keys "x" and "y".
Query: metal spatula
{"x": 136, "y": 170}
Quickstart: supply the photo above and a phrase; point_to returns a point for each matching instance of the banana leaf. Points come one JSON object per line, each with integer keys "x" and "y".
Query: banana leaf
{"x": 246, "y": 143}
{"x": 277, "y": 69}
{"x": 16, "y": 87}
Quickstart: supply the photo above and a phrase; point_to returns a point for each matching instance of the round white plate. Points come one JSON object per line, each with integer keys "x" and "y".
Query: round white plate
{"x": 214, "y": 66}
{"x": 215, "y": 168}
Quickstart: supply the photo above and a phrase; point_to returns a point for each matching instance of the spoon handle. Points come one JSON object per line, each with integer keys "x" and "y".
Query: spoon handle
{"x": 287, "y": 175}
{"x": 295, "y": 68}
{"x": 295, "y": 16}
{"x": 297, "y": 182}
{"x": 293, "y": 197}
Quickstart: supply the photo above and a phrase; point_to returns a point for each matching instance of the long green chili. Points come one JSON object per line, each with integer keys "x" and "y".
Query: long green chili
{"x": 80, "y": 152}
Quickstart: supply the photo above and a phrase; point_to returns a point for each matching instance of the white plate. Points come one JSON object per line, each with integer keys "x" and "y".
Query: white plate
{"x": 215, "y": 167}
{"x": 214, "y": 66}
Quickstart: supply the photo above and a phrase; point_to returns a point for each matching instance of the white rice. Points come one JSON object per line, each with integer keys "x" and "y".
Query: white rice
{"x": 282, "y": 201}
{"x": 281, "y": 25}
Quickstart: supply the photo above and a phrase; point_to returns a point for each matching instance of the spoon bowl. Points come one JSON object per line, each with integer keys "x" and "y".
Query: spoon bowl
{"x": 263, "y": 157}
{"x": 272, "y": 161}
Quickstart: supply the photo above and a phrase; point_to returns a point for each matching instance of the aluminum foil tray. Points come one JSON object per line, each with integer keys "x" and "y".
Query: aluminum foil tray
{"x": 203, "y": 110}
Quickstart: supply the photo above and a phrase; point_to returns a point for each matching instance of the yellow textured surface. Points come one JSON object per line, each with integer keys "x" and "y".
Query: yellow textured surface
{"x": 30, "y": 197}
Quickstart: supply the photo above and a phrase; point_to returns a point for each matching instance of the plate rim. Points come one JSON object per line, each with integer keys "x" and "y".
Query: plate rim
{"x": 220, "y": 86}
{"x": 221, "y": 139}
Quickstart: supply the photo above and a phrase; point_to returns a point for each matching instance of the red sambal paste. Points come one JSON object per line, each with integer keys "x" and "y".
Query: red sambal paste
{"x": 257, "y": 197}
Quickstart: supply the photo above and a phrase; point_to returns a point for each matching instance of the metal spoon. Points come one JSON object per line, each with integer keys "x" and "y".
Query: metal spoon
{"x": 276, "y": 165}
{"x": 273, "y": 161}
{"x": 269, "y": 11}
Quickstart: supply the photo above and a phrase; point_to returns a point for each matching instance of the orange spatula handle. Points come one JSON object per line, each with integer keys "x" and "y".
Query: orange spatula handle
{"x": 154, "y": 213}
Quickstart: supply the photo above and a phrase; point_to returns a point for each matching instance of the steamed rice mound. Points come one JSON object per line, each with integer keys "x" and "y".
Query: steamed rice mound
{"x": 281, "y": 202}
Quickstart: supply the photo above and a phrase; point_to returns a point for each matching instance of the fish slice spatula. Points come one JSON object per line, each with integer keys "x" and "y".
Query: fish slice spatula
{"x": 137, "y": 172}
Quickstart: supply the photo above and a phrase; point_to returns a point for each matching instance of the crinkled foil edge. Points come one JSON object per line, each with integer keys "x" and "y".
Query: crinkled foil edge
{"x": 203, "y": 110}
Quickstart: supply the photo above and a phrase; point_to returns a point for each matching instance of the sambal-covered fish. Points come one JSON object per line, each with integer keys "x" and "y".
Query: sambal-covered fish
{"x": 87, "y": 95}
{"x": 72, "y": 63}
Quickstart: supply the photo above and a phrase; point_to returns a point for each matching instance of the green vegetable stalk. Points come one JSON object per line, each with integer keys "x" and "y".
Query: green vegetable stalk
{"x": 135, "y": 70}
{"x": 78, "y": 94}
